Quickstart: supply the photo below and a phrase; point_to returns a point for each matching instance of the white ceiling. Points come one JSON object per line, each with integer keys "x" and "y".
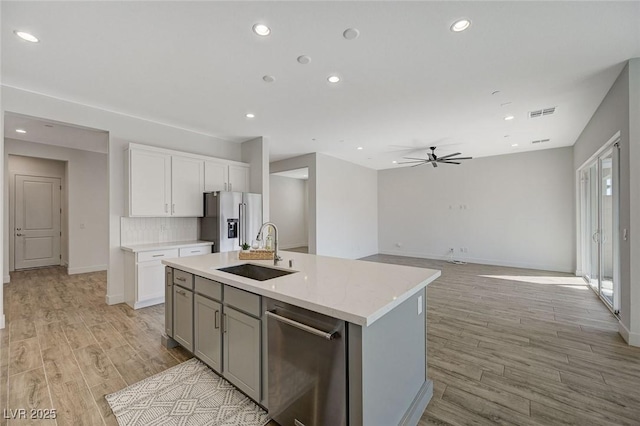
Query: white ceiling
{"x": 54, "y": 133}
{"x": 302, "y": 173}
{"x": 406, "y": 81}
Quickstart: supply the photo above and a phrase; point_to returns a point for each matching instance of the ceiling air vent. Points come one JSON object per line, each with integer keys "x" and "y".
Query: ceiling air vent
{"x": 542, "y": 112}
{"x": 539, "y": 141}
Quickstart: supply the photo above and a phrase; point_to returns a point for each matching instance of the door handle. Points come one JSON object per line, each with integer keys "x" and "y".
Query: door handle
{"x": 182, "y": 292}
{"x": 216, "y": 319}
{"x": 328, "y": 336}
{"x": 596, "y": 237}
{"x": 18, "y": 229}
{"x": 225, "y": 186}
{"x": 240, "y": 230}
{"x": 224, "y": 323}
{"x": 230, "y": 187}
{"x": 173, "y": 208}
{"x": 166, "y": 208}
{"x": 19, "y": 235}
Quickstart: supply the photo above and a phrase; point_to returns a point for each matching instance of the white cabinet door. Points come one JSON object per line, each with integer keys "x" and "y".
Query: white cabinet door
{"x": 239, "y": 178}
{"x": 187, "y": 186}
{"x": 149, "y": 183}
{"x": 216, "y": 176}
{"x": 150, "y": 281}
{"x": 242, "y": 351}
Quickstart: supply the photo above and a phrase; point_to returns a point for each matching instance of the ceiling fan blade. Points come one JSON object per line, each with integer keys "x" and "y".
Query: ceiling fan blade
{"x": 449, "y": 162}
{"x": 411, "y": 162}
{"x": 444, "y": 157}
{"x": 414, "y": 158}
{"x": 461, "y": 158}
{"x": 434, "y": 164}
{"x": 416, "y": 165}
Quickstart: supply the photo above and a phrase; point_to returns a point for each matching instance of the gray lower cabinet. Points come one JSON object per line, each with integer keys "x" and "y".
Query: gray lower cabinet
{"x": 242, "y": 344}
{"x": 208, "y": 336}
{"x": 183, "y": 317}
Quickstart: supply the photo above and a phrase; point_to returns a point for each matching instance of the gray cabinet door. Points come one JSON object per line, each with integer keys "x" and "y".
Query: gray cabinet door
{"x": 168, "y": 301}
{"x": 208, "y": 338}
{"x": 242, "y": 351}
{"x": 183, "y": 317}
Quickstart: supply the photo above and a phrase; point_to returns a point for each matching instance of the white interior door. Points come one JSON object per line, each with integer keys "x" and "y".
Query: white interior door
{"x": 37, "y": 222}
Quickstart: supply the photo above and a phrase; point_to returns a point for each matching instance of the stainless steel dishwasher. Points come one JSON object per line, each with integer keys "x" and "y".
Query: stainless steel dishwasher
{"x": 307, "y": 367}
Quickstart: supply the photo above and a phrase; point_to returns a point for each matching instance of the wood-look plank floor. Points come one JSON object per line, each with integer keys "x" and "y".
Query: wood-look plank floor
{"x": 505, "y": 346}
{"x": 64, "y": 348}
{"x": 518, "y": 346}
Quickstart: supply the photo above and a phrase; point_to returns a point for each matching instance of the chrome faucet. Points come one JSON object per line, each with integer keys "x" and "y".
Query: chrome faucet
{"x": 276, "y": 258}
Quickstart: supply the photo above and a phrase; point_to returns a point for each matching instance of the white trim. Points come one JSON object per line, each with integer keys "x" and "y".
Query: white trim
{"x": 7, "y": 279}
{"x": 633, "y": 339}
{"x": 148, "y": 302}
{"x": 86, "y": 269}
{"x": 579, "y": 273}
{"x": 2, "y": 322}
{"x": 114, "y": 299}
{"x": 613, "y": 139}
{"x": 492, "y": 262}
{"x": 152, "y": 148}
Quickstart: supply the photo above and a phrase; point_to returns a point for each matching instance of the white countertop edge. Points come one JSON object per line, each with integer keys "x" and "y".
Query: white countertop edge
{"x": 136, "y": 248}
{"x": 230, "y": 279}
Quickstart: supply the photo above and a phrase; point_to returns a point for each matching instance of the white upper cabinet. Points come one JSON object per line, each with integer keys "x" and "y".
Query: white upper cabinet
{"x": 238, "y": 178}
{"x": 221, "y": 176}
{"x": 216, "y": 176}
{"x": 187, "y": 186}
{"x": 163, "y": 182}
{"x": 149, "y": 183}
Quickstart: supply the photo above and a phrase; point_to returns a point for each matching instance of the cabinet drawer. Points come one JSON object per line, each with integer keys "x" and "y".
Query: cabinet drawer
{"x": 208, "y": 288}
{"x": 145, "y": 256}
{"x": 242, "y": 300}
{"x": 194, "y": 251}
{"x": 183, "y": 279}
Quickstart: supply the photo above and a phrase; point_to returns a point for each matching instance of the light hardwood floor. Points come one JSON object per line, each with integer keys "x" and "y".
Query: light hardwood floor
{"x": 505, "y": 346}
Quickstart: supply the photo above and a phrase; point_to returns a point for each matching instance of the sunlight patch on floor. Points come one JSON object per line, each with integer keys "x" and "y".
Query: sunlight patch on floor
{"x": 571, "y": 282}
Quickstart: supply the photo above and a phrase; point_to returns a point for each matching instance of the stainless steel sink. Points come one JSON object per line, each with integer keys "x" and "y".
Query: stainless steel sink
{"x": 255, "y": 272}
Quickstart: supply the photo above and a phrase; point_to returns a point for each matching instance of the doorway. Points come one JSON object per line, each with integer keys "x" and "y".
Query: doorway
{"x": 599, "y": 224}
{"x": 289, "y": 208}
{"x": 37, "y": 221}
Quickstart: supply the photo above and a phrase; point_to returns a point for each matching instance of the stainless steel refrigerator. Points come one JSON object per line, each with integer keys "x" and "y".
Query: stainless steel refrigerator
{"x": 230, "y": 219}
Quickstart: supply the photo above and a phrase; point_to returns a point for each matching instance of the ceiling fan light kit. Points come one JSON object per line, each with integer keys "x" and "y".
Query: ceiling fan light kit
{"x": 434, "y": 159}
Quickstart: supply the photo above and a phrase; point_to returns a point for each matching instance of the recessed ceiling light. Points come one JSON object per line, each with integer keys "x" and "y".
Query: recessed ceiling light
{"x": 360, "y": 148}
{"x": 351, "y": 34}
{"x": 333, "y": 79}
{"x": 268, "y": 79}
{"x": 394, "y": 162}
{"x": 509, "y": 117}
{"x": 460, "y": 25}
{"x": 250, "y": 115}
{"x": 514, "y": 144}
{"x": 303, "y": 59}
{"x": 261, "y": 30}
{"x": 26, "y": 36}
{"x": 21, "y": 131}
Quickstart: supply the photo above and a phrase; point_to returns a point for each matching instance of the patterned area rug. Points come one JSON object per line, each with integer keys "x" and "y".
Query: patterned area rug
{"x": 187, "y": 394}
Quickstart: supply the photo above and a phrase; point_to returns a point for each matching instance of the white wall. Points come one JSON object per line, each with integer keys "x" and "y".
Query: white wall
{"x": 511, "y": 210}
{"x": 87, "y": 194}
{"x": 256, "y": 153}
{"x": 122, "y": 130}
{"x": 32, "y": 166}
{"x": 346, "y": 208}
{"x": 288, "y": 210}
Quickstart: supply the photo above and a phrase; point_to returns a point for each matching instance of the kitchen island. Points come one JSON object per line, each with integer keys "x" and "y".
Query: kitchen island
{"x": 381, "y": 309}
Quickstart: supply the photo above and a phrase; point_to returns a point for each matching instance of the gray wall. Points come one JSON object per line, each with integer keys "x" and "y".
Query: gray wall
{"x": 620, "y": 112}
{"x": 288, "y": 210}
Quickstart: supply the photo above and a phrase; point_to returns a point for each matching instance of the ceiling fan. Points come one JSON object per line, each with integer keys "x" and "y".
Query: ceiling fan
{"x": 434, "y": 159}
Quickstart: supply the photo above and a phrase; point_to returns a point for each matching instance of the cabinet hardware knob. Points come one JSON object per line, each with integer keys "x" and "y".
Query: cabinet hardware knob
{"x": 183, "y": 279}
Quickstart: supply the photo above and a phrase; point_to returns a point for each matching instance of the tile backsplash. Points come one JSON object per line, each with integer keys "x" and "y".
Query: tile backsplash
{"x": 147, "y": 230}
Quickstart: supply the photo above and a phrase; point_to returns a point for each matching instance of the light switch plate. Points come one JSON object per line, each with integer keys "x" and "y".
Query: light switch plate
{"x": 419, "y": 305}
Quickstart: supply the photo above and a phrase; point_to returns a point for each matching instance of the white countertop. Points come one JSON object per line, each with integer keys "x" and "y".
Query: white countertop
{"x": 164, "y": 246}
{"x": 356, "y": 291}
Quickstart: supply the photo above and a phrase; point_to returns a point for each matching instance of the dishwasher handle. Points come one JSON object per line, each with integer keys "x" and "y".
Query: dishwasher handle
{"x": 303, "y": 327}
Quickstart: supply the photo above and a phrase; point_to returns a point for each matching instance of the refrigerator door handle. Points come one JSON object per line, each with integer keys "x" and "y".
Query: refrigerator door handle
{"x": 240, "y": 222}
{"x": 244, "y": 223}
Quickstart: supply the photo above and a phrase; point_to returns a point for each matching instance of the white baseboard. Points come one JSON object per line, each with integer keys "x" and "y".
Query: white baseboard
{"x": 492, "y": 262}
{"x": 114, "y": 299}
{"x": 148, "y": 302}
{"x": 86, "y": 269}
{"x": 2, "y": 322}
{"x": 633, "y": 339}
{"x": 7, "y": 279}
